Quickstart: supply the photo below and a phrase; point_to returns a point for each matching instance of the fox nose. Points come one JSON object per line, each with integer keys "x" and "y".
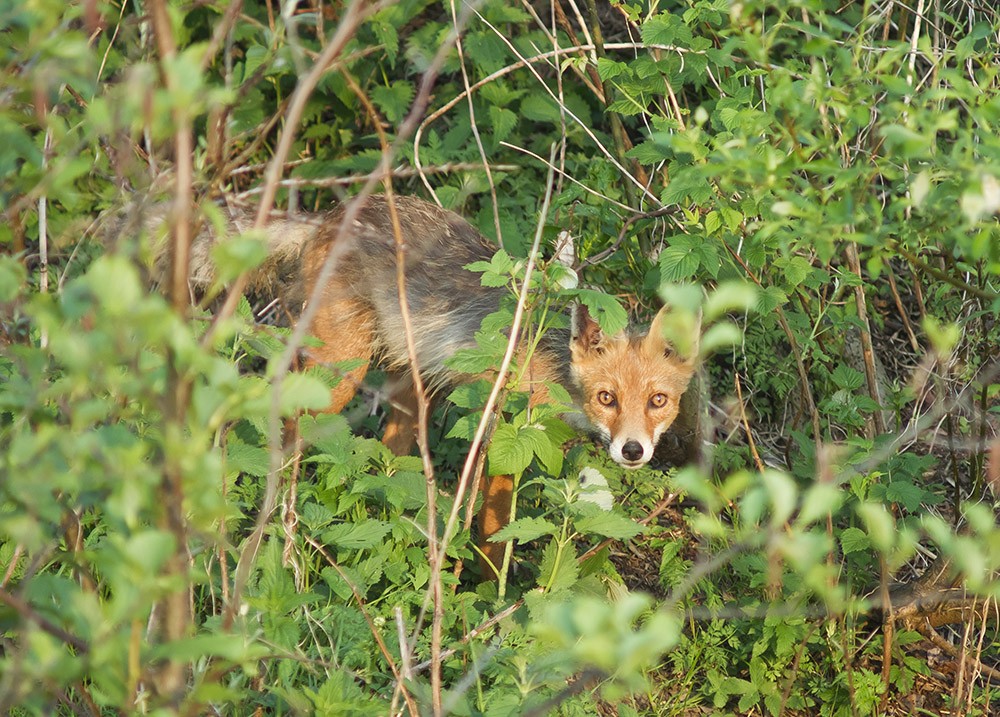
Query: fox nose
{"x": 632, "y": 451}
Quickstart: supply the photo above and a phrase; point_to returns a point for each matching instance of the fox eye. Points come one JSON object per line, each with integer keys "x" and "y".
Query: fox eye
{"x": 658, "y": 400}
{"x": 606, "y": 398}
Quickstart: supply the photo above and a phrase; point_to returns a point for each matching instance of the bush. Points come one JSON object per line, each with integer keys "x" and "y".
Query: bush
{"x": 827, "y": 171}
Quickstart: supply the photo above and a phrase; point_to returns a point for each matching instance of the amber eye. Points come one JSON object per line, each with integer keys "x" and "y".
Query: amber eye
{"x": 606, "y": 398}
{"x": 659, "y": 400}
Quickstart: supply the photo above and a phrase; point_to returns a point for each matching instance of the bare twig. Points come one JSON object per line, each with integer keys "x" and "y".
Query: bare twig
{"x": 475, "y": 128}
{"x": 28, "y": 613}
{"x": 512, "y": 341}
{"x": 746, "y": 426}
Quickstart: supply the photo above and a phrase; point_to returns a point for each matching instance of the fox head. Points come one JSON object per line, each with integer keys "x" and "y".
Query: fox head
{"x": 631, "y": 384}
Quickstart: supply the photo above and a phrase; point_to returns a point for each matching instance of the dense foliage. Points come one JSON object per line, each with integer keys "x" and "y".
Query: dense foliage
{"x": 828, "y": 171}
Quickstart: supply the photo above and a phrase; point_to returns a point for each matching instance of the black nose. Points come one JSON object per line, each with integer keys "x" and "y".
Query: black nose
{"x": 632, "y": 451}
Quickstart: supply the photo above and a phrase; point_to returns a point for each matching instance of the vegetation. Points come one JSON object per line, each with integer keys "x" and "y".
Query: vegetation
{"x": 828, "y": 171}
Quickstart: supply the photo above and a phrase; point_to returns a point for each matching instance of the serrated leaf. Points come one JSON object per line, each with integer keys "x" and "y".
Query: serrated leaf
{"x": 242, "y": 458}
{"x": 475, "y": 360}
{"x": 607, "y": 68}
{"x": 687, "y": 183}
{"x": 394, "y": 100}
{"x": 797, "y": 269}
{"x": 503, "y": 121}
{"x": 357, "y": 536}
{"x": 650, "y": 152}
{"x": 606, "y": 310}
{"x": 677, "y": 263}
{"x": 905, "y": 493}
{"x": 770, "y": 299}
{"x": 609, "y": 525}
{"x": 507, "y": 454}
{"x": 712, "y": 222}
{"x": 658, "y": 30}
{"x": 465, "y": 427}
{"x": 524, "y": 530}
{"x": 256, "y": 55}
{"x": 471, "y": 395}
{"x": 853, "y": 540}
{"x": 558, "y": 571}
{"x": 386, "y": 32}
{"x": 847, "y": 378}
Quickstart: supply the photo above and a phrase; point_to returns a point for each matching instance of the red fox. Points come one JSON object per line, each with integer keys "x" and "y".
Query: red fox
{"x": 627, "y": 386}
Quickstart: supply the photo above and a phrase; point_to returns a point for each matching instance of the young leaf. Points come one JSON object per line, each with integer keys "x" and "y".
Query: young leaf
{"x": 524, "y": 530}
{"x": 609, "y": 524}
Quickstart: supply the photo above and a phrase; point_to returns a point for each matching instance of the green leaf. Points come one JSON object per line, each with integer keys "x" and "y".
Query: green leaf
{"x": 650, "y": 152}
{"x": 853, "y": 540}
{"x": 609, "y": 524}
{"x": 558, "y": 571}
{"x": 678, "y": 262}
{"x": 497, "y": 271}
{"x": 770, "y": 299}
{"x": 303, "y": 391}
{"x": 905, "y": 493}
{"x": 394, "y": 100}
{"x": 847, "y": 378}
{"x": 507, "y": 453}
{"x": 12, "y": 276}
{"x": 606, "y": 310}
{"x": 386, "y": 32}
{"x": 503, "y": 122}
{"x": 237, "y": 255}
{"x": 687, "y": 184}
{"x": 713, "y": 222}
{"x": 607, "y": 69}
{"x": 242, "y": 458}
{"x": 548, "y": 451}
{"x": 658, "y": 30}
{"x": 357, "y": 536}
{"x": 471, "y": 395}
{"x": 524, "y": 530}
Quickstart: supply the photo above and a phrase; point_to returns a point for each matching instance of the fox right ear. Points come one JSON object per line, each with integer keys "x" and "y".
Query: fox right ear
{"x": 585, "y": 332}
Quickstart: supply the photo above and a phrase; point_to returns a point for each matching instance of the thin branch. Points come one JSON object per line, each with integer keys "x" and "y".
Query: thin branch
{"x": 27, "y": 612}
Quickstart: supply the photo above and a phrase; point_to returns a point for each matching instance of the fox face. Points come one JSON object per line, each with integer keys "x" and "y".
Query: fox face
{"x": 631, "y": 385}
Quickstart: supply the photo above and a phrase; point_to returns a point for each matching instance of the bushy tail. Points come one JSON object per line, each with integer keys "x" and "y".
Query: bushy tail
{"x": 285, "y": 235}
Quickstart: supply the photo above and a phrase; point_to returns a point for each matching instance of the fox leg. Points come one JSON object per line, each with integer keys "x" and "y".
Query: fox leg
{"x": 345, "y": 328}
{"x": 401, "y": 426}
{"x": 494, "y": 514}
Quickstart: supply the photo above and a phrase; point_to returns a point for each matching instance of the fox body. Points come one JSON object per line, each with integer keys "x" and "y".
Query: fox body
{"x": 627, "y": 386}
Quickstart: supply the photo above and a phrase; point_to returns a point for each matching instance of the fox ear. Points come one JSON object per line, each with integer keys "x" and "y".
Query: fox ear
{"x": 675, "y": 334}
{"x": 585, "y": 332}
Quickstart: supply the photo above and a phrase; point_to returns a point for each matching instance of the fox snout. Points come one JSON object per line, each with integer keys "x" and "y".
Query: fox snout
{"x": 632, "y": 453}
{"x": 632, "y": 436}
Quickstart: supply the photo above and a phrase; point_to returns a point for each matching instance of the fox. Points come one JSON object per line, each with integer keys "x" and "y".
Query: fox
{"x": 626, "y": 387}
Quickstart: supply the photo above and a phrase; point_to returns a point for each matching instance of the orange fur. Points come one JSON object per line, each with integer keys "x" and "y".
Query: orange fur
{"x": 627, "y": 386}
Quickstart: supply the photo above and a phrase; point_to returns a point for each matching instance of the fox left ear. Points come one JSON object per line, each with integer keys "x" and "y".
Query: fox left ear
{"x": 585, "y": 333}
{"x": 675, "y": 333}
